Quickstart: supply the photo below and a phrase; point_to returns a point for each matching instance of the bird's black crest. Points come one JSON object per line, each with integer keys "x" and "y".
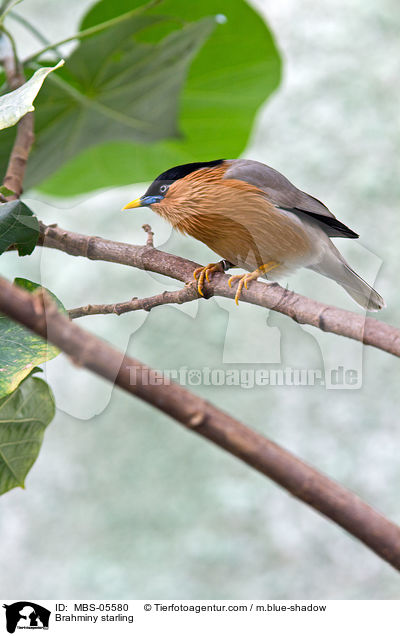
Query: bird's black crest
{"x": 178, "y": 172}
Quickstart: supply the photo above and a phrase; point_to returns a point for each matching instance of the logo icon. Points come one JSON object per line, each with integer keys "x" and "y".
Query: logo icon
{"x": 26, "y": 615}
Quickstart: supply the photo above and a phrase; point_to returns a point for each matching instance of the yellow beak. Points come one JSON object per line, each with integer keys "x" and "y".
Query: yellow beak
{"x": 137, "y": 203}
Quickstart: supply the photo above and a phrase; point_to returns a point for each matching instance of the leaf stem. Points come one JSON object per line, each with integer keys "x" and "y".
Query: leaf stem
{"x": 13, "y": 45}
{"x": 95, "y": 29}
{"x": 9, "y": 59}
{"x": 30, "y": 27}
{"x": 7, "y": 7}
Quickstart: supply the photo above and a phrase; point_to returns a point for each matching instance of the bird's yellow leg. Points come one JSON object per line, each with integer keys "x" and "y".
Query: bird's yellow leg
{"x": 244, "y": 279}
{"x": 201, "y": 273}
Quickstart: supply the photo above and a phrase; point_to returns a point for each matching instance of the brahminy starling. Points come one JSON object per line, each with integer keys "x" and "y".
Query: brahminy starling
{"x": 256, "y": 219}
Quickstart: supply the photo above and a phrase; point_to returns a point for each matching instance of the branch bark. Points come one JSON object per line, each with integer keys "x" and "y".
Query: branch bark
{"x": 271, "y": 296}
{"x": 179, "y": 296}
{"x": 19, "y": 156}
{"x": 38, "y": 312}
{"x": 25, "y": 137}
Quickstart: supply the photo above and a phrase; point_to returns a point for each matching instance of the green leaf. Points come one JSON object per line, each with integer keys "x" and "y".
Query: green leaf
{"x": 24, "y": 416}
{"x": 233, "y": 74}
{"x": 20, "y": 349}
{"x": 18, "y": 226}
{"x": 114, "y": 87}
{"x": 16, "y": 104}
{"x": 6, "y": 192}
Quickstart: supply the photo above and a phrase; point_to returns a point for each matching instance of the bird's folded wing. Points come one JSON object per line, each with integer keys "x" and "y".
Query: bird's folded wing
{"x": 283, "y": 194}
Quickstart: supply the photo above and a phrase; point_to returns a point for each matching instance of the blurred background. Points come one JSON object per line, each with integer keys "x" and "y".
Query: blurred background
{"x": 122, "y": 502}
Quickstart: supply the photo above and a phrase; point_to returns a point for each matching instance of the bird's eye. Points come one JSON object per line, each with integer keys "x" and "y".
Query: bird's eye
{"x": 163, "y": 189}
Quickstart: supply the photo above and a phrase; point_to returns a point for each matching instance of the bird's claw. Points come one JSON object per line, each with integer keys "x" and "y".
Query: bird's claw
{"x": 245, "y": 279}
{"x": 201, "y": 273}
{"x": 242, "y": 278}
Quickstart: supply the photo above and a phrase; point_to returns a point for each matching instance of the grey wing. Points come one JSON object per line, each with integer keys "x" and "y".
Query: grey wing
{"x": 282, "y": 193}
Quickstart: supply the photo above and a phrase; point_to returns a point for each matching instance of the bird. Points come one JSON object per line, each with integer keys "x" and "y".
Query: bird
{"x": 255, "y": 219}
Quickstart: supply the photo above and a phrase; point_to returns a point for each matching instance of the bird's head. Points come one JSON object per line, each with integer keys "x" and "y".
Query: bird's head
{"x": 176, "y": 187}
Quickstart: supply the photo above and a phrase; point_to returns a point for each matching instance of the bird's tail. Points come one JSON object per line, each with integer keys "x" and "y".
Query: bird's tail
{"x": 334, "y": 266}
{"x": 360, "y": 291}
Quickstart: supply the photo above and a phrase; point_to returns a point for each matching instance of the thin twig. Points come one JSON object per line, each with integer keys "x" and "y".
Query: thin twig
{"x": 272, "y": 296}
{"x": 179, "y": 296}
{"x": 39, "y": 313}
{"x": 150, "y": 235}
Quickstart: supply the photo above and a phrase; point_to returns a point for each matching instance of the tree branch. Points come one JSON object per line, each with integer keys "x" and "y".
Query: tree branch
{"x": 184, "y": 295}
{"x": 38, "y": 312}
{"x": 24, "y": 139}
{"x": 271, "y": 296}
{"x": 178, "y": 296}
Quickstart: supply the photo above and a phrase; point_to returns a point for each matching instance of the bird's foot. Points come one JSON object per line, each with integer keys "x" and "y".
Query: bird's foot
{"x": 244, "y": 279}
{"x": 201, "y": 273}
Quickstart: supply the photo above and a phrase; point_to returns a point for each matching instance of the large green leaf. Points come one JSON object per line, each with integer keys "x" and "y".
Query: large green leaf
{"x": 233, "y": 74}
{"x": 20, "y": 349}
{"x": 114, "y": 87}
{"x": 18, "y": 226}
{"x": 17, "y": 103}
{"x": 24, "y": 416}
